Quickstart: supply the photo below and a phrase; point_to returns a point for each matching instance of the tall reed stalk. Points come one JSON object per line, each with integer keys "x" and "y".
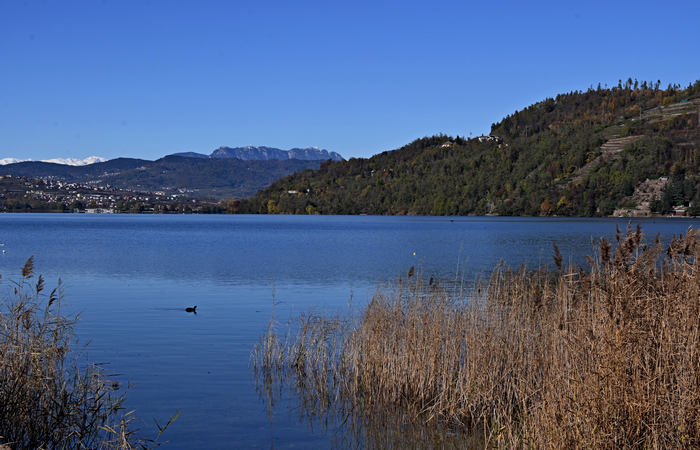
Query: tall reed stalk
{"x": 606, "y": 356}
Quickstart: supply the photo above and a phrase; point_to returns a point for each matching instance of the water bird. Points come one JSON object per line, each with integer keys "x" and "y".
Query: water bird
{"x": 192, "y": 309}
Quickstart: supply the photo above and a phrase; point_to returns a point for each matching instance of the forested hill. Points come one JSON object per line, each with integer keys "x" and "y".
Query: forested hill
{"x": 632, "y": 149}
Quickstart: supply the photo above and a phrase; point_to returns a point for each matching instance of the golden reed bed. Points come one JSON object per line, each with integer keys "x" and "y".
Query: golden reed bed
{"x": 606, "y": 356}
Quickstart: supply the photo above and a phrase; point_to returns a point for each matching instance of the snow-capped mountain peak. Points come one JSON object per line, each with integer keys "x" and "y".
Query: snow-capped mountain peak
{"x": 4, "y": 161}
{"x": 65, "y": 161}
{"x": 75, "y": 161}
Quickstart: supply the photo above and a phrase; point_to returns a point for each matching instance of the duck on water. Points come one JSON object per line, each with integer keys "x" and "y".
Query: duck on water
{"x": 192, "y": 309}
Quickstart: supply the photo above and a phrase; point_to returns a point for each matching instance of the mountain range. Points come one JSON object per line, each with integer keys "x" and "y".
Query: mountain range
{"x": 249, "y": 153}
{"x": 262, "y": 153}
{"x": 226, "y": 173}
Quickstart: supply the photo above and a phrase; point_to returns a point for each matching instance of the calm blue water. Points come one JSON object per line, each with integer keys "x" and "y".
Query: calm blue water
{"x": 130, "y": 278}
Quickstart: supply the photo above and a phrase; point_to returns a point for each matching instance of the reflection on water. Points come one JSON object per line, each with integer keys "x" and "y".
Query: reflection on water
{"x": 352, "y": 426}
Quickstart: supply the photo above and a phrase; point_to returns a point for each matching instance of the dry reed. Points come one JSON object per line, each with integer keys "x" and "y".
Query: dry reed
{"x": 47, "y": 398}
{"x": 602, "y": 357}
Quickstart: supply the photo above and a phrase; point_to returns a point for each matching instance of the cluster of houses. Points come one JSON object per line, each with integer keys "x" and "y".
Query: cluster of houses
{"x": 80, "y": 197}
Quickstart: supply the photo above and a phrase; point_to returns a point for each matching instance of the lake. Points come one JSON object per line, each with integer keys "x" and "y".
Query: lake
{"x": 131, "y": 276}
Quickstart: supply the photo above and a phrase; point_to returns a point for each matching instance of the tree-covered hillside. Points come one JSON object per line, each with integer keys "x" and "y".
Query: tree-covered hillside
{"x": 581, "y": 154}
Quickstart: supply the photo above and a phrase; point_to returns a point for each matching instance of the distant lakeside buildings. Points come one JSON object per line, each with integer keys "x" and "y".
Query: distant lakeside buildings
{"x": 21, "y": 194}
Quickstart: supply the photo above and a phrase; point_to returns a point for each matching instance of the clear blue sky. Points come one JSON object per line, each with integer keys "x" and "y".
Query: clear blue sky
{"x": 147, "y": 78}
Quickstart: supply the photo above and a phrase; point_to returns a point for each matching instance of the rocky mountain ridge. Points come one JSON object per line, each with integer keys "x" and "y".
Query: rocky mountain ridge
{"x": 263, "y": 153}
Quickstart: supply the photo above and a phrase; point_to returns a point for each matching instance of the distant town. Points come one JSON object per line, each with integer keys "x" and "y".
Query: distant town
{"x": 23, "y": 194}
